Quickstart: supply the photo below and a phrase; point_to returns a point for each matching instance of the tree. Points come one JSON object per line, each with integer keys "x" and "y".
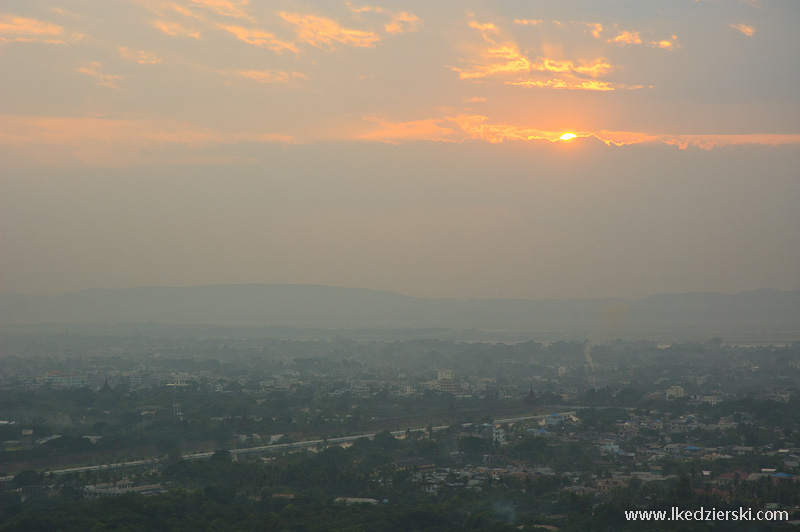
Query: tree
{"x": 27, "y": 478}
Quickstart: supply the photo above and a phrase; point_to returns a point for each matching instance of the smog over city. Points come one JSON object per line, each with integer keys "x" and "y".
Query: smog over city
{"x": 453, "y": 266}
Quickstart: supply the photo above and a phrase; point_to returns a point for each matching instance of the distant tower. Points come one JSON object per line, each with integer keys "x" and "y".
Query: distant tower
{"x": 530, "y": 399}
{"x": 176, "y": 409}
{"x": 27, "y": 439}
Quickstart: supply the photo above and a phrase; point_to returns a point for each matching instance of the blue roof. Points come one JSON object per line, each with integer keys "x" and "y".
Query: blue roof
{"x": 691, "y": 448}
{"x": 781, "y": 475}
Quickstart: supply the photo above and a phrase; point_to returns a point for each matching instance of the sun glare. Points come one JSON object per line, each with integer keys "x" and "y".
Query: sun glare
{"x": 568, "y": 136}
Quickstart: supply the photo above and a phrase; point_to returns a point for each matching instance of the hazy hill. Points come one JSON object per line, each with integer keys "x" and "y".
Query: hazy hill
{"x": 693, "y": 314}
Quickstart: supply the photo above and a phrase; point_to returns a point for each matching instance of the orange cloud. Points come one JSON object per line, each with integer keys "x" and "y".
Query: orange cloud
{"x": 184, "y": 11}
{"x": 139, "y": 56}
{"x": 708, "y": 142}
{"x": 596, "y": 68}
{"x": 115, "y": 142}
{"x": 260, "y": 38}
{"x": 621, "y": 138}
{"x": 401, "y": 23}
{"x": 173, "y": 29}
{"x": 626, "y": 37}
{"x": 271, "y": 76}
{"x": 507, "y": 58}
{"x": 569, "y": 84}
{"x": 595, "y": 28}
{"x": 363, "y": 9}
{"x": 485, "y": 29}
{"x": 319, "y": 31}
{"x": 745, "y": 29}
{"x": 65, "y": 13}
{"x": 503, "y": 59}
{"x": 393, "y": 132}
{"x": 106, "y": 80}
{"x": 527, "y": 21}
{"x": 512, "y": 61}
{"x": 478, "y": 127}
{"x": 21, "y": 29}
{"x": 666, "y": 44}
{"x": 226, "y": 8}
{"x": 12, "y": 25}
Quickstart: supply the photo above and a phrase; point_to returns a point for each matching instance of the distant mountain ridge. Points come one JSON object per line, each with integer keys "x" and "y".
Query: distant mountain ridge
{"x": 334, "y": 307}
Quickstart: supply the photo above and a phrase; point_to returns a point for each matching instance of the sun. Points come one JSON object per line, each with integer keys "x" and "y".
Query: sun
{"x": 568, "y": 136}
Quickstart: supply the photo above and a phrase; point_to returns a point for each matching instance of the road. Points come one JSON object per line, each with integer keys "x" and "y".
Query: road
{"x": 270, "y": 448}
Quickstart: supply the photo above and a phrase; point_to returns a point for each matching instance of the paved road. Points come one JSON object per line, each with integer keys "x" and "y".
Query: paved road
{"x": 270, "y": 448}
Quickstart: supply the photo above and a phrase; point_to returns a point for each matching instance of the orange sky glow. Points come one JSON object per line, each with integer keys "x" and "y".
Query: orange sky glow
{"x": 498, "y": 60}
{"x": 429, "y": 116}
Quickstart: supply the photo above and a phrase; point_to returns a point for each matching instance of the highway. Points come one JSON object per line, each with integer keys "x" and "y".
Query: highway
{"x": 272, "y": 448}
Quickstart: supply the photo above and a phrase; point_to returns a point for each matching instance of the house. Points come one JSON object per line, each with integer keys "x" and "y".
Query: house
{"x": 605, "y": 485}
{"x": 741, "y": 450}
{"x": 553, "y": 420}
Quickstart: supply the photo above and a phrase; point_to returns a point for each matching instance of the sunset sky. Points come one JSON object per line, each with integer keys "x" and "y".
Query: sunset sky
{"x": 405, "y": 146}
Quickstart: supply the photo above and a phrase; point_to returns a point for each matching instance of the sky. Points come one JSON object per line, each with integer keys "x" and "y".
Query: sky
{"x": 414, "y": 146}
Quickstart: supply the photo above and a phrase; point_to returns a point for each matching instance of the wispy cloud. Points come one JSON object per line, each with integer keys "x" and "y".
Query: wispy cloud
{"x": 632, "y": 37}
{"x": 626, "y": 37}
{"x": 666, "y": 44}
{"x": 399, "y": 22}
{"x": 707, "y": 142}
{"x": 479, "y": 127}
{"x": 116, "y": 142}
{"x": 402, "y": 22}
{"x": 498, "y": 60}
{"x": 595, "y": 28}
{"x": 271, "y": 76}
{"x": 573, "y": 84}
{"x": 225, "y": 8}
{"x": 595, "y": 68}
{"x": 22, "y": 29}
{"x": 94, "y": 69}
{"x": 66, "y": 13}
{"x": 745, "y": 29}
{"x": 487, "y": 29}
{"x": 528, "y": 21}
{"x": 504, "y": 58}
{"x": 364, "y": 9}
{"x": 260, "y": 38}
{"x": 139, "y": 56}
{"x": 320, "y": 31}
{"x": 175, "y": 29}
{"x": 394, "y": 132}
{"x": 13, "y": 25}
{"x": 508, "y": 59}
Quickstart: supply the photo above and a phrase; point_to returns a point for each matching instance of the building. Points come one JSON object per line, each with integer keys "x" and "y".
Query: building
{"x": 675, "y": 392}
{"x": 446, "y": 382}
{"x": 64, "y": 380}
